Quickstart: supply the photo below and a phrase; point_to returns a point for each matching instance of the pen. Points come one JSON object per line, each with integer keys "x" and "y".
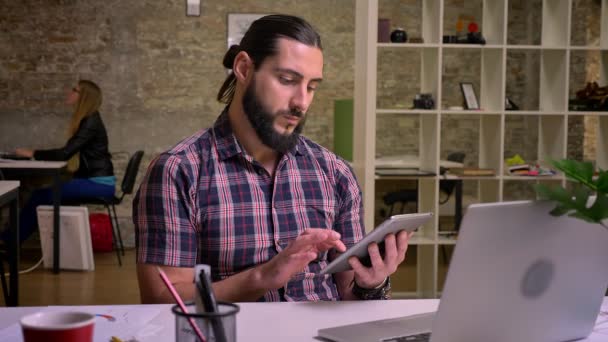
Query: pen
{"x": 181, "y": 304}
{"x": 210, "y": 305}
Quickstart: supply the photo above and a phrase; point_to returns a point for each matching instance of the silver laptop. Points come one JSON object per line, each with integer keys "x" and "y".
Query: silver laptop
{"x": 517, "y": 274}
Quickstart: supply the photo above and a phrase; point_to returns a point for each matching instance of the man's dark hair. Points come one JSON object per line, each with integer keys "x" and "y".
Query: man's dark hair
{"x": 261, "y": 41}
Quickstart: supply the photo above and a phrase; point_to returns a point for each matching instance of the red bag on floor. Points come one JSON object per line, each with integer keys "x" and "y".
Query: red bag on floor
{"x": 101, "y": 232}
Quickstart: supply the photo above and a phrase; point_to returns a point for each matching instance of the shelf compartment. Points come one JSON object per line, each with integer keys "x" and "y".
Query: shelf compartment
{"x": 421, "y": 23}
{"x": 522, "y": 79}
{"x": 398, "y": 134}
{"x": 464, "y": 133}
{"x": 426, "y": 278}
{"x": 553, "y": 81}
{"x": 404, "y": 280}
{"x": 604, "y": 25}
{"x": 523, "y": 29}
{"x": 587, "y": 139}
{"x": 494, "y": 25}
{"x": 580, "y": 74}
{"x": 585, "y": 24}
{"x": 520, "y": 132}
{"x": 398, "y": 83}
{"x": 427, "y": 202}
{"x": 453, "y": 73}
{"x": 552, "y": 132}
{"x": 523, "y": 189}
{"x": 453, "y": 10}
{"x": 555, "y": 23}
{"x": 460, "y": 133}
{"x": 488, "y": 14}
{"x": 490, "y": 142}
{"x": 492, "y": 82}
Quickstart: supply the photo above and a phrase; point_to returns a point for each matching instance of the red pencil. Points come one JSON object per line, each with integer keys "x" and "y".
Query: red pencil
{"x": 180, "y": 302}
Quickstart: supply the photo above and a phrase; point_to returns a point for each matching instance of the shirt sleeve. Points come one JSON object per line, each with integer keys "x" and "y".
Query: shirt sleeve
{"x": 164, "y": 214}
{"x": 349, "y": 220}
{"x": 85, "y": 132}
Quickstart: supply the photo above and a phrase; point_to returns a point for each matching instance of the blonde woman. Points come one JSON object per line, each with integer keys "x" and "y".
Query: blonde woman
{"x": 86, "y": 152}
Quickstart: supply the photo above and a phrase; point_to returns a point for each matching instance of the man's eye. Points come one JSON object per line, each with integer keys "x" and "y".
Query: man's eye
{"x": 285, "y": 80}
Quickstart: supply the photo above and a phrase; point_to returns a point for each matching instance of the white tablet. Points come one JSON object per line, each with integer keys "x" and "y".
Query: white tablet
{"x": 394, "y": 224}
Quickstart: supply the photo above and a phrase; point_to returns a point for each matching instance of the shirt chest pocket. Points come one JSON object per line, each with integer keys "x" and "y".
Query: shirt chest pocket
{"x": 315, "y": 216}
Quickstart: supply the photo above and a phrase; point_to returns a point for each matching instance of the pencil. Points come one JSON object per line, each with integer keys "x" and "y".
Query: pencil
{"x": 180, "y": 302}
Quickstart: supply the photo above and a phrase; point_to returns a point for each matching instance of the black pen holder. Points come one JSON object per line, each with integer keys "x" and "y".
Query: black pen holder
{"x": 211, "y": 324}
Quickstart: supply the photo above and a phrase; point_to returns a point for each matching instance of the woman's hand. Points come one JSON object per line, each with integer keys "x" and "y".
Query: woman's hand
{"x": 25, "y": 152}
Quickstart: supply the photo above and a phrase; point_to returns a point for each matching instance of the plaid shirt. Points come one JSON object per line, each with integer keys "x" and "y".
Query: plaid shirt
{"x": 207, "y": 201}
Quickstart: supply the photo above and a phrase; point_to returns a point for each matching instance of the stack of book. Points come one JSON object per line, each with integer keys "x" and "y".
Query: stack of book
{"x": 472, "y": 171}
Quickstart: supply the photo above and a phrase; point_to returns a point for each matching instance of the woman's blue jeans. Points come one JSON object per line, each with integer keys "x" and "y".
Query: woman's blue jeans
{"x": 73, "y": 190}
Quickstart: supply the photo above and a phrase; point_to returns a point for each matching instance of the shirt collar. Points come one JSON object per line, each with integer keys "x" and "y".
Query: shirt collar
{"x": 227, "y": 144}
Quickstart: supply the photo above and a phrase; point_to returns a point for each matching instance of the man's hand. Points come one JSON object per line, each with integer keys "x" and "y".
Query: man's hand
{"x": 298, "y": 253}
{"x": 394, "y": 254}
{"x": 248, "y": 285}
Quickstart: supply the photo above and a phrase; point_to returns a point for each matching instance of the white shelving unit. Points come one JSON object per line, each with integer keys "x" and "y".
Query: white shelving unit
{"x": 552, "y": 113}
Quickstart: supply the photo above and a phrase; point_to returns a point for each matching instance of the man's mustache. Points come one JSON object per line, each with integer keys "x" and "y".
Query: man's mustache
{"x": 293, "y": 112}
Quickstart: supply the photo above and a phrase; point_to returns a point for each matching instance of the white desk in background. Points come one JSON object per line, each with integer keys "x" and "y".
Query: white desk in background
{"x": 294, "y": 322}
{"x": 14, "y": 169}
{"x": 9, "y": 196}
{"x": 409, "y": 162}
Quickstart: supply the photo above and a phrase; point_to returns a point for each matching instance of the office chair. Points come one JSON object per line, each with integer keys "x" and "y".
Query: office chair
{"x": 128, "y": 183}
{"x": 404, "y": 196}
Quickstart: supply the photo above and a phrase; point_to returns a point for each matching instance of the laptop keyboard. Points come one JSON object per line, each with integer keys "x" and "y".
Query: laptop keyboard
{"x": 424, "y": 337}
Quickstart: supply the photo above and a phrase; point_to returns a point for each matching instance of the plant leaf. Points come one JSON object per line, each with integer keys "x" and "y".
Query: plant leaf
{"x": 599, "y": 210}
{"x": 602, "y": 181}
{"x": 581, "y": 172}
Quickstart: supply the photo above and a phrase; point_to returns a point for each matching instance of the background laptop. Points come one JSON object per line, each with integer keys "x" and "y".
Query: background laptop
{"x": 517, "y": 274}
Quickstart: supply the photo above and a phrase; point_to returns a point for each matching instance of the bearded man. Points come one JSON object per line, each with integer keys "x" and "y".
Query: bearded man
{"x": 265, "y": 207}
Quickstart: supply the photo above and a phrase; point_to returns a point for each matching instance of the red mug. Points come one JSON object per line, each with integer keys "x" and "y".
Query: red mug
{"x": 65, "y": 326}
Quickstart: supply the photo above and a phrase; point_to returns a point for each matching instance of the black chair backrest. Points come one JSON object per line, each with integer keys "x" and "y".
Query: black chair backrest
{"x": 128, "y": 181}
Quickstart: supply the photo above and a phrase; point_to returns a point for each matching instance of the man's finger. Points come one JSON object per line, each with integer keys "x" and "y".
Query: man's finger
{"x": 403, "y": 239}
{"x": 357, "y": 265}
{"x": 374, "y": 256}
{"x": 390, "y": 248}
{"x": 311, "y": 237}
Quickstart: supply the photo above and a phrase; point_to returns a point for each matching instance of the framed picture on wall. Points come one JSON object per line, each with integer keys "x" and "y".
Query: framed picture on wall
{"x": 470, "y": 98}
{"x": 238, "y": 23}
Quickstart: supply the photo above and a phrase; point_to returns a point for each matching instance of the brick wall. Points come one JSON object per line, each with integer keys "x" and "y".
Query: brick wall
{"x": 160, "y": 71}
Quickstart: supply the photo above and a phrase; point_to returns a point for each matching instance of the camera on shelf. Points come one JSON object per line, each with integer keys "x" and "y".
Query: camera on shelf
{"x": 424, "y": 101}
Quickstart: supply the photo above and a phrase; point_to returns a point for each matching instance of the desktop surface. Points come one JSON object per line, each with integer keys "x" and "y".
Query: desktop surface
{"x": 299, "y": 322}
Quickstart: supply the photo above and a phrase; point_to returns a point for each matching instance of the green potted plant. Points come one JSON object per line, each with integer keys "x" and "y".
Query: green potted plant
{"x": 574, "y": 202}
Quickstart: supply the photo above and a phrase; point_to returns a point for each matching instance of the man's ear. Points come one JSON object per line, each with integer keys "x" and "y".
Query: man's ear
{"x": 243, "y": 66}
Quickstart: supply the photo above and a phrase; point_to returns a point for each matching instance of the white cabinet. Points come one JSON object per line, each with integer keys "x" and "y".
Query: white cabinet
{"x": 549, "y": 111}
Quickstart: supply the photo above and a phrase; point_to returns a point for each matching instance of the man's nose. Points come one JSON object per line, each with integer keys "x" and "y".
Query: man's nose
{"x": 301, "y": 99}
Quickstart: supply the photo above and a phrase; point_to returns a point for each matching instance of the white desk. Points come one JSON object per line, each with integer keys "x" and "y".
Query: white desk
{"x": 294, "y": 322}
{"x": 9, "y": 195}
{"x": 18, "y": 168}
{"x": 409, "y": 162}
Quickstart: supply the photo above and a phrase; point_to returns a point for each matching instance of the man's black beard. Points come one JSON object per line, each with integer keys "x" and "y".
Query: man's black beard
{"x": 263, "y": 122}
